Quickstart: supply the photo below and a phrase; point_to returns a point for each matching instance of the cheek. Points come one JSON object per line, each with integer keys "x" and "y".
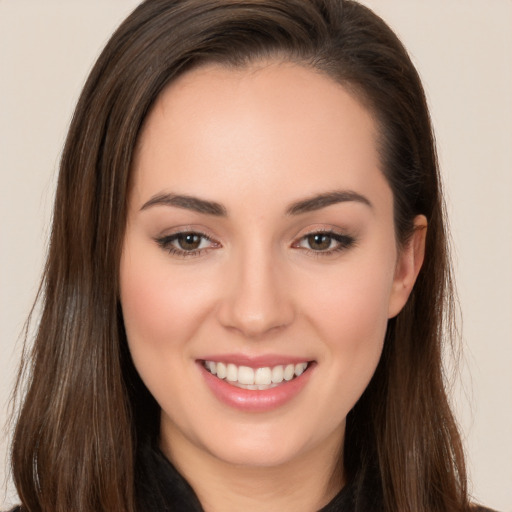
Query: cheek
{"x": 161, "y": 308}
{"x": 358, "y": 309}
{"x": 352, "y": 318}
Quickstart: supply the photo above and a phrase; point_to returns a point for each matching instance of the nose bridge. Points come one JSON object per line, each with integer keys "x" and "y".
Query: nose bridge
{"x": 257, "y": 300}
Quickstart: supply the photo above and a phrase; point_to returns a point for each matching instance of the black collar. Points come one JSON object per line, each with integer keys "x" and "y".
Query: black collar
{"x": 160, "y": 488}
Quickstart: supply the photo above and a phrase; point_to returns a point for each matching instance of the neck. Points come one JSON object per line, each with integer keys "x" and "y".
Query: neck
{"x": 308, "y": 482}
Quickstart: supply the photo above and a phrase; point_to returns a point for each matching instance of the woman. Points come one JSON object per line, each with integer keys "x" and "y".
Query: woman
{"x": 247, "y": 280}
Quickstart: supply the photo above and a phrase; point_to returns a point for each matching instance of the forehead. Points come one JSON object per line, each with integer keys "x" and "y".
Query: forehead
{"x": 270, "y": 126}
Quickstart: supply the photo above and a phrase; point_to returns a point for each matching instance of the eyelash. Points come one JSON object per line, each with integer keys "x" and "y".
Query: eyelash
{"x": 166, "y": 242}
{"x": 343, "y": 242}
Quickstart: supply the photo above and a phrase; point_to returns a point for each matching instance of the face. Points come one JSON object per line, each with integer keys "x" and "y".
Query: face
{"x": 260, "y": 264}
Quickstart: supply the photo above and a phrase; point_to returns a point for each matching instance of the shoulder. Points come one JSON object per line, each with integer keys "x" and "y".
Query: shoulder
{"x": 478, "y": 508}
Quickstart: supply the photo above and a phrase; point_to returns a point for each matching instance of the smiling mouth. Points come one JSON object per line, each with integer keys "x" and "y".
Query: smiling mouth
{"x": 245, "y": 377}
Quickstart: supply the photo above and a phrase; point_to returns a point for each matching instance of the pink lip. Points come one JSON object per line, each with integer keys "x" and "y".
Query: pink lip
{"x": 255, "y": 361}
{"x": 255, "y": 400}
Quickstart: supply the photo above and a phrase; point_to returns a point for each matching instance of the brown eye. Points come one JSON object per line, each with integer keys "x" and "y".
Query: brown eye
{"x": 319, "y": 241}
{"x": 325, "y": 242}
{"x": 186, "y": 243}
{"x": 189, "y": 241}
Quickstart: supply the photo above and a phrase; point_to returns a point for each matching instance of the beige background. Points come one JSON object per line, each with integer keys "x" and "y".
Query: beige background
{"x": 463, "y": 49}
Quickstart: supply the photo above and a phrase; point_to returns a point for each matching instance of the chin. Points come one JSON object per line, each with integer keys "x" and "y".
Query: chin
{"x": 260, "y": 454}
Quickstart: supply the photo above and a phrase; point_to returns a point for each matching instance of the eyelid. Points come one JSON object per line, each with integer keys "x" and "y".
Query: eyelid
{"x": 324, "y": 229}
{"x": 344, "y": 240}
{"x": 165, "y": 241}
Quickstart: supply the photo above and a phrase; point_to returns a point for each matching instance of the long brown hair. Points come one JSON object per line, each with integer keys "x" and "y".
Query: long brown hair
{"x": 85, "y": 411}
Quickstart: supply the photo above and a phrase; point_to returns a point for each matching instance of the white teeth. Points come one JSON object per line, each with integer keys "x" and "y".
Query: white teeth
{"x": 263, "y": 376}
{"x": 299, "y": 368}
{"x": 253, "y": 387}
{"x": 212, "y": 366}
{"x": 245, "y": 375}
{"x": 221, "y": 370}
{"x": 277, "y": 374}
{"x": 289, "y": 371}
{"x": 232, "y": 373}
{"x": 255, "y": 378}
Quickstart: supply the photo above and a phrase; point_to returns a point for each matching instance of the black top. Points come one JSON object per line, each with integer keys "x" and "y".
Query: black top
{"x": 160, "y": 488}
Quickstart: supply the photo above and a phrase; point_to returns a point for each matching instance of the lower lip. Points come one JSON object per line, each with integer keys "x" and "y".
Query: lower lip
{"x": 256, "y": 400}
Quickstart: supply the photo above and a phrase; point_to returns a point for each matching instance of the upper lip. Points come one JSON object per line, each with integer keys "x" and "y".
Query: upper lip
{"x": 256, "y": 361}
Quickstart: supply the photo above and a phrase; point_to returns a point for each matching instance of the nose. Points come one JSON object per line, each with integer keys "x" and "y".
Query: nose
{"x": 256, "y": 297}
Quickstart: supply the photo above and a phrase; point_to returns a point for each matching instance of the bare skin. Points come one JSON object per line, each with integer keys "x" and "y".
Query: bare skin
{"x": 287, "y": 250}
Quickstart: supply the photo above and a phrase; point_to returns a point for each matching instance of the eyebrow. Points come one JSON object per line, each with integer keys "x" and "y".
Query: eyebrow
{"x": 188, "y": 203}
{"x": 309, "y": 204}
{"x": 327, "y": 199}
